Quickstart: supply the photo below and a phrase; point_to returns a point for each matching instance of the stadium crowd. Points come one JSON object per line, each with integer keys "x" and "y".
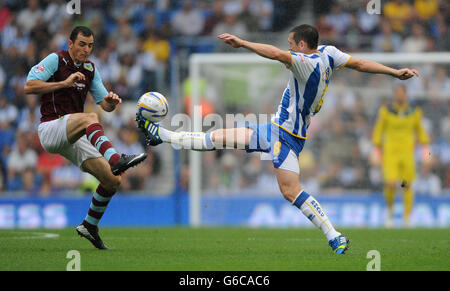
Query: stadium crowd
{"x": 134, "y": 42}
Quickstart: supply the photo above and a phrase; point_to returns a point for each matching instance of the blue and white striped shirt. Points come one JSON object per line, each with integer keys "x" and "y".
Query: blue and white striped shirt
{"x": 308, "y": 82}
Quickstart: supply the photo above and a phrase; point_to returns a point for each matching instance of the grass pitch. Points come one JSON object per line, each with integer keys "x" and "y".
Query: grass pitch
{"x": 224, "y": 249}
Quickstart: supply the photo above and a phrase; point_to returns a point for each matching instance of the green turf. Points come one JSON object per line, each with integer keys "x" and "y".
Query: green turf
{"x": 216, "y": 249}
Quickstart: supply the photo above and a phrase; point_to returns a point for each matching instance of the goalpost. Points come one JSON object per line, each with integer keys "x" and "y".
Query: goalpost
{"x": 243, "y": 63}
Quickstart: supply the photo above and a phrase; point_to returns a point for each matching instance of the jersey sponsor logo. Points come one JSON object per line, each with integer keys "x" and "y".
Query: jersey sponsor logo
{"x": 79, "y": 86}
{"x": 39, "y": 69}
{"x": 88, "y": 66}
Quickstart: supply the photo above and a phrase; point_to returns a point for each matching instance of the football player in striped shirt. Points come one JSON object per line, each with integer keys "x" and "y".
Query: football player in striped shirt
{"x": 311, "y": 67}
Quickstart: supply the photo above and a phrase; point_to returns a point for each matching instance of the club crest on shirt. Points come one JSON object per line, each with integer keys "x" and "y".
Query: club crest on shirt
{"x": 39, "y": 69}
{"x": 88, "y": 66}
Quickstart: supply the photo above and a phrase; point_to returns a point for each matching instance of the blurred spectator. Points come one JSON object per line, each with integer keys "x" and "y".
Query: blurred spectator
{"x": 229, "y": 174}
{"x": 54, "y": 14}
{"x": 128, "y": 143}
{"x": 150, "y": 168}
{"x": 426, "y": 9}
{"x": 8, "y": 113}
{"x": 251, "y": 170}
{"x": 234, "y": 7}
{"x": 159, "y": 47}
{"x": 440, "y": 32}
{"x": 46, "y": 164}
{"x": 4, "y": 15}
{"x": 386, "y": 40}
{"x": 439, "y": 85}
{"x": 154, "y": 60}
{"x": 368, "y": 23}
{"x": 339, "y": 19}
{"x": 417, "y": 41}
{"x": 267, "y": 180}
{"x": 262, "y": 12}
{"x": 326, "y": 31}
{"x": 308, "y": 171}
{"x": 127, "y": 77}
{"x": 127, "y": 42}
{"x": 353, "y": 35}
{"x": 399, "y": 13}
{"x": 214, "y": 17}
{"x": 231, "y": 24}
{"x": 427, "y": 183}
{"x": 28, "y": 17}
{"x": 21, "y": 165}
{"x": 29, "y": 117}
{"x": 65, "y": 177}
{"x": 188, "y": 21}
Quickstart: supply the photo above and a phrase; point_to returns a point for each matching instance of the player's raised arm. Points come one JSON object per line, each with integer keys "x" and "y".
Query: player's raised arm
{"x": 107, "y": 100}
{"x": 377, "y": 68}
{"x": 264, "y": 50}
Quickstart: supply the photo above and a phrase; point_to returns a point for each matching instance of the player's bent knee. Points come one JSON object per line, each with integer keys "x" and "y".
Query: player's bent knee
{"x": 91, "y": 118}
{"x": 289, "y": 192}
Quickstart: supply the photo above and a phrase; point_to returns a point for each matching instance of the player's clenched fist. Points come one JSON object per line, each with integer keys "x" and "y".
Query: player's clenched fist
{"x": 404, "y": 74}
{"x": 74, "y": 78}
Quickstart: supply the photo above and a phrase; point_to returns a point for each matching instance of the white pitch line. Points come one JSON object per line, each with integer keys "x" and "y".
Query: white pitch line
{"x": 34, "y": 235}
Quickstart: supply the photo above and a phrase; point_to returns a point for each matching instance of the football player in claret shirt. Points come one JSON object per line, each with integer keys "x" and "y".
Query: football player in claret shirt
{"x": 63, "y": 80}
{"x": 396, "y": 131}
{"x": 310, "y": 69}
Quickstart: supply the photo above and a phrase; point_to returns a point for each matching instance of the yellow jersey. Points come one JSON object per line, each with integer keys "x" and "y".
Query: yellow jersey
{"x": 397, "y": 129}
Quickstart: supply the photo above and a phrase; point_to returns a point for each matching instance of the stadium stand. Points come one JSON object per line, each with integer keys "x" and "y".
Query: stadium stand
{"x": 135, "y": 41}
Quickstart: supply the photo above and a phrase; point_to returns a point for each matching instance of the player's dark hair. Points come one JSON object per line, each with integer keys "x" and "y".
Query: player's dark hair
{"x": 85, "y": 31}
{"x": 307, "y": 33}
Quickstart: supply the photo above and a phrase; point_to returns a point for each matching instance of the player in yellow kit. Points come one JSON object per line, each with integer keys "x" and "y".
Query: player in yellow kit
{"x": 395, "y": 134}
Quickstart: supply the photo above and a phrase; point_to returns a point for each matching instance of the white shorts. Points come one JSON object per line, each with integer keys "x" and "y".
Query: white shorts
{"x": 53, "y": 138}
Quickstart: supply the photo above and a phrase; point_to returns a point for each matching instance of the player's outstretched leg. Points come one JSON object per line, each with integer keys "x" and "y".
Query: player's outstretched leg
{"x": 237, "y": 138}
{"x": 155, "y": 135}
{"x": 310, "y": 207}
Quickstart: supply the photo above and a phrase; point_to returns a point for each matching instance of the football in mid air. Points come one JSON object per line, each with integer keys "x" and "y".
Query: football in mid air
{"x": 153, "y": 106}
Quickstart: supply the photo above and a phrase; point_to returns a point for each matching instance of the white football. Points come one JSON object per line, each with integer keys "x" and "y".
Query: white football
{"x": 153, "y": 106}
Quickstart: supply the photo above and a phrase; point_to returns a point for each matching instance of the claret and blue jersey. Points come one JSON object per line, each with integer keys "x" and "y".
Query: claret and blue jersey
{"x": 58, "y": 67}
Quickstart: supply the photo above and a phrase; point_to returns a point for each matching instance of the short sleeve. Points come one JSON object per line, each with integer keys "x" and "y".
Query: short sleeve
{"x": 301, "y": 66}
{"x": 340, "y": 59}
{"x": 45, "y": 69}
{"x": 97, "y": 89}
